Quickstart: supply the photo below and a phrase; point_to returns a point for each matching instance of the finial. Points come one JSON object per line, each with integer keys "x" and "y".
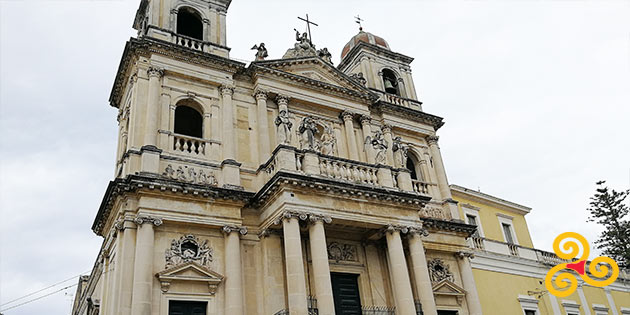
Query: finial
{"x": 358, "y": 21}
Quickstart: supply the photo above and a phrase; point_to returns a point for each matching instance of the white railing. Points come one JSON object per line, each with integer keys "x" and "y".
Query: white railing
{"x": 477, "y": 242}
{"x": 420, "y": 186}
{"x": 188, "y": 42}
{"x": 189, "y": 145}
{"x": 348, "y": 171}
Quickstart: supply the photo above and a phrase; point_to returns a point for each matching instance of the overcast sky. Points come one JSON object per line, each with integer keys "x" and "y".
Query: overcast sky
{"x": 535, "y": 95}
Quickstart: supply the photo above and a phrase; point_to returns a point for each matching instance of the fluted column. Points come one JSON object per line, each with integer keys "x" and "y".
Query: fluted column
{"x": 264, "y": 147}
{"x": 367, "y": 132}
{"x": 233, "y": 270}
{"x": 468, "y": 280}
{"x": 387, "y": 135}
{"x": 321, "y": 269}
{"x": 153, "y": 106}
{"x": 227, "y": 111}
{"x": 347, "y": 117}
{"x": 296, "y": 283}
{"x": 402, "y": 285}
{"x": 141, "y": 301}
{"x": 421, "y": 271}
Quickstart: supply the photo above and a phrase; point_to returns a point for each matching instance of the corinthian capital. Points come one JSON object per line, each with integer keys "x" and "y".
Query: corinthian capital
{"x": 141, "y": 219}
{"x": 261, "y": 95}
{"x": 418, "y": 231}
{"x": 432, "y": 140}
{"x": 233, "y": 228}
{"x": 282, "y": 100}
{"x": 227, "y": 89}
{"x": 314, "y": 218}
{"x": 155, "y": 72}
{"x": 365, "y": 119}
{"x": 346, "y": 115}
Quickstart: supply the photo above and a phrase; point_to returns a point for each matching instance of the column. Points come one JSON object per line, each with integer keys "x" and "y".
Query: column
{"x": 227, "y": 111}
{"x": 233, "y": 270}
{"x": 472, "y": 298}
{"x": 152, "y": 108}
{"x": 421, "y": 271}
{"x": 367, "y": 132}
{"x": 321, "y": 269}
{"x": 350, "y": 138}
{"x": 439, "y": 167}
{"x": 126, "y": 266}
{"x": 400, "y": 274}
{"x": 264, "y": 147}
{"x": 273, "y": 273}
{"x": 387, "y": 134}
{"x": 141, "y": 301}
{"x": 296, "y": 282}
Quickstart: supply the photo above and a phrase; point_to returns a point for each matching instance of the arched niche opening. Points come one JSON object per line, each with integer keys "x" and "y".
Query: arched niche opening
{"x": 188, "y": 120}
{"x": 189, "y": 23}
{"x": 390, "y": 82}
{"x": 413, "y": 165}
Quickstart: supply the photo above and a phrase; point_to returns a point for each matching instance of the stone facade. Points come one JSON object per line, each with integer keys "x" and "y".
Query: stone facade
{"x": 246, "y": 188}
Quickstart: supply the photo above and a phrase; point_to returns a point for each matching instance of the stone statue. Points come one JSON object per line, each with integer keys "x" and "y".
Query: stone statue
{"x": 284, "y": 125}
{"x": 308, "y": 130}
{"x": 325, "y": 54}
{"x": 261, "y": 52}
{"x": 328, "y": 142}
{"x": 400, "y": 153}
{"x": 359, "y": 78}
{"x": 302, "y": 40}
{"x": 379, "y": 144}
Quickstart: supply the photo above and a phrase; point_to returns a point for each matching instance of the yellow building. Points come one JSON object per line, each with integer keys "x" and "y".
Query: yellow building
{"x": 509, "y": 271}
{"x": 290, "y": 185}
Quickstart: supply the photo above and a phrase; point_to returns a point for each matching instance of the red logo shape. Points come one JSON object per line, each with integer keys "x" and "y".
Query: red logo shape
{"x": 578, "y": 267}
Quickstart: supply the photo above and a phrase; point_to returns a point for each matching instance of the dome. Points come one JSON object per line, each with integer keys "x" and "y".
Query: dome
{"x": 366, "y": 38}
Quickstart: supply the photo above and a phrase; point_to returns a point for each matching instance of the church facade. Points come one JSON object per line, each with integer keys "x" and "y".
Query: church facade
{"x": 285, "y": 186}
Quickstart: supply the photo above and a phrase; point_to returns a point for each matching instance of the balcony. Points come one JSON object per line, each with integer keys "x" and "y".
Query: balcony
{"x": 399, "y": 100}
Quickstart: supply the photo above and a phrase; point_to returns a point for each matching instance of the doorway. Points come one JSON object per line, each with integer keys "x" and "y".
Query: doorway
{"x": 187, "y": 308}
{"x": 346, "y": 293}
{"x": 447, "y": 313}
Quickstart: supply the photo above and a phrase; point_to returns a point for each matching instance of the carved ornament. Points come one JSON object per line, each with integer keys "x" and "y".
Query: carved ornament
{"x": 439, "y": 270}
{"x": 432, "y": 140}
{"x": 155, "y": 72}
{"x": 233, "y": 228}
{"x": 190, "y": 175}
{"x": 140, "y": 220}
{"x": 188, "y": 249}
{"x": 342, "y": 252}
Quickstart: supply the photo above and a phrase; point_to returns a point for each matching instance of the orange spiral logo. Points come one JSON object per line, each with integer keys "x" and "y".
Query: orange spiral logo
{"x": 565, "y": 283}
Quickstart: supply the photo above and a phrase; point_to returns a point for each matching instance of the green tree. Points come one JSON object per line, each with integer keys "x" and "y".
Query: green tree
{"x": 608, "y": 208}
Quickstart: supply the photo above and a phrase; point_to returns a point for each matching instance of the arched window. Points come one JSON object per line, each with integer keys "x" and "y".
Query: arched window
{"x": 189, "y": 23}
{"x": 188, "y": 121}
{"x": 390, "y": 82}
{"x": 413, "y": 165}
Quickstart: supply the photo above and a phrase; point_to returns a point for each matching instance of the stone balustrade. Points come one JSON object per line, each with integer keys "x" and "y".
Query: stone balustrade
{"x": 188, "y": 42}
{"x": 188, "y": 145}
{"x": 420, "y": 186}
{"x": 348, "y": 171}
{"x": 400, "y": 101}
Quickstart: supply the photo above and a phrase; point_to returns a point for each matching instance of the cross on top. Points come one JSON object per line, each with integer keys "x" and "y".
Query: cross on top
{"x": 358, "y": 21}
{"x": 308, "y": 26}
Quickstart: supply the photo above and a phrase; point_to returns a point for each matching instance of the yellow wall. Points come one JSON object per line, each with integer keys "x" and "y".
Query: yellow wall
{"x": 498, "y": 292}
{"x": 490, "y": 222}
{"x": 622, "y": 299}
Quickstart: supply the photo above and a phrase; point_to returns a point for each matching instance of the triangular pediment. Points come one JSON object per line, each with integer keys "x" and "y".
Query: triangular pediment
{"x": 190, "y": 271}
{"x": 447, "y": 287}
{"x": 312, "y": 71}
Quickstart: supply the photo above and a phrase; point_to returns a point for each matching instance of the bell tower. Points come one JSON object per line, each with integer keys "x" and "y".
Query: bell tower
{"x": 368, "y": 57}
{"x": 197, "y": 24}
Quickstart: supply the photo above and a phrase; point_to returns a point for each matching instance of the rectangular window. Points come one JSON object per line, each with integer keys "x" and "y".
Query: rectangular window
{"x": 507, "y": 230}
{"x": 530, "y": 312}
{"x": 187, "y": 308}
{"x": 472, "y": 220}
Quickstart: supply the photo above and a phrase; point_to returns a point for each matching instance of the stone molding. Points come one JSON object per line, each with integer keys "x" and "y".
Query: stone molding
{"x": 409, "y": 113}
{"x": 227, "y": 89}
{"x": 142, "y": 219}
{"x": 227, "y": 229}
{"x": 261, "y": 95}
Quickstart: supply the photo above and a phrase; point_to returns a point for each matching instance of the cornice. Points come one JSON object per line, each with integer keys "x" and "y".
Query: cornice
{"x": 134, "y": 183}
{"x": 360, "y": 93}
{"x": 489, "y": 199}
{"x": 451, "y": 226}
{"x": 146, "y": 46}
{"x": 414, "y": 115}
{"x": 329, "y": 186}
{"x": 374, "y": 48}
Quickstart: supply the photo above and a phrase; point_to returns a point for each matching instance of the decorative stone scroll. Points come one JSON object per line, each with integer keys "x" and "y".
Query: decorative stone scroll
{"x": 141, "y": 219}
{"x": 190, "y": 175}
{"x": 233, "y": 228}
{"x": 439, "y": 270}
{"x": 342, "y": 252}
{"x": 188, "y": 249}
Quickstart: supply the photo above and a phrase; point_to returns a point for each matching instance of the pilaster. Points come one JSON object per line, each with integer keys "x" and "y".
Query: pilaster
{"x": 321, "y": 269}
{"x": 296, "y": 282}
{"x": 233, "y": 270}
{"x": 141, "y": 301}
{"x": 348, "y": 123}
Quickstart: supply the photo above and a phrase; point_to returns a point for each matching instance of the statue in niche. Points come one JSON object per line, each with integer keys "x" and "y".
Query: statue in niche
{"x": 379, "y": 145}
{"x": 401, "y": 153}
{"x": 261, "y": 52}
{"x": 284, "y": 125}
{"x": 308, "y": 130}
{"x": 328, "y": 141}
